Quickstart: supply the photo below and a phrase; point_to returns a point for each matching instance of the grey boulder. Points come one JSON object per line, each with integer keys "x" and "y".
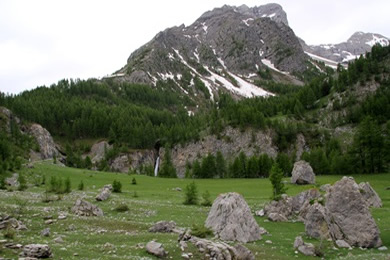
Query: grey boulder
{"x": 37, "y": 251}
{"x": 156, "y": 249}
{"x": 370, "y": 196}
{"x": 231, "y": 219}
{"x": 85, "y": 208}
{"x": 302, "y": 173}
{"x": 163, "y": 227}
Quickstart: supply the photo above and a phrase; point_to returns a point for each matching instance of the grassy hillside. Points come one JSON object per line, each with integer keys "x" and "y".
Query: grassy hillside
{"x": 116, "y": 235}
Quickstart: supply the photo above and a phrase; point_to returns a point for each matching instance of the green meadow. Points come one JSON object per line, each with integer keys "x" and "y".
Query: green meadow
{"x": 123, "y": 235}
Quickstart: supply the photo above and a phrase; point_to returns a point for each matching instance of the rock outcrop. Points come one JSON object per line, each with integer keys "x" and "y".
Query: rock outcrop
{"x": 98, "y": 151}
{"x": 47, "y": 147}
{"x": 37, "y": 251}
{"x": 279, "y": 210}
{"x": 370, "y": 196}
{"x": 348, "y": 215}
{"x": 302, "y": 173}
{"x": 85, "y": 208}
{"x": 231, "y": 219}
{"x": 133, "y": 160}
{"x": 10, "y": 222}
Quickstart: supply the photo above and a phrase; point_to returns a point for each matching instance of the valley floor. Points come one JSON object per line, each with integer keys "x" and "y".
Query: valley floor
{"x": 123, "y": 235}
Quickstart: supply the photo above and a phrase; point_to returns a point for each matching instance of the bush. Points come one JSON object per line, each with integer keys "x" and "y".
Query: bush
{"x": 206, "y": 199}
{"x": 81, "y": 185}
{"x": 201, "y": 231}
{"x": 117, "y": 186}
{"x": 22, "y": 182}
{"x": 122, "y": 208}
{"x": 134, "y": 181}
{"x": 68, "y": 186}
{"x": 2, "y": 183}
{"x": 191, "y": 194}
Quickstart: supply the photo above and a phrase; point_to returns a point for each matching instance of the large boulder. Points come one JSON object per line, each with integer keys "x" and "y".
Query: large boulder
{"x": 231, "y": 219}
{"x": 302, "y": 173}
{"x": 47, "y": 147}
{"x": 37, "y": 251}
{"x": 279, "y": 210}
{"x": 315, "y": 223}
{"x": 370, "y": 196}
{"x": 85, "y": 208}
{"x": 349, "y": 217}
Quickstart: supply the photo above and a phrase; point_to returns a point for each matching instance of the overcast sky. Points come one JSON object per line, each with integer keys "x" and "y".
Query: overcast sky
{"x": 43, "y": 41}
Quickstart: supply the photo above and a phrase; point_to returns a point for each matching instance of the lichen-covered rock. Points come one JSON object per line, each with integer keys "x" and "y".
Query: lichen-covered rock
{"x": 156, "y": 249}
{"x": 302, "y": 173}
{"x": 37, "y": 251}
{"x": 231, "y": 219}
{"x": 349, "y": 217}
{"x": 163, "y": 227}
{"x": 370, "y": 196}
{"x": 315, "y": 223}
{"x": 85, "y": 208}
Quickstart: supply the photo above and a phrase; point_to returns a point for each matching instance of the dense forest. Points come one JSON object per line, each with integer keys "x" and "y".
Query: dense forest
{"x": 135, "y": 116}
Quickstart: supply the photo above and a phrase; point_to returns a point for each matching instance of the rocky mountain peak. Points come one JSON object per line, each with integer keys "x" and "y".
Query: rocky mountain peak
{"x": 370, "y": 39}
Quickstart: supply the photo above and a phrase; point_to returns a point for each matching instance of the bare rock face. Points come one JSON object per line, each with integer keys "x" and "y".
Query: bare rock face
{"x": 302, "y": 173}
{"x": 370, "y": 196}
{"x": 279, "y": 210}
{"x": 315, "y": 223}
{"x": 45, "y": 141}
{"x": 231, "y": 219}
{"x": 156, "y": 249}
{"x": 349, "y": 217}
{"x": 37, "y": 251}
{"x": 104, "y": 194}
{"x": 98, "y": 150}
{"x": 133, "y": 160}
{"x": 84, "y": 208}
{"x": 163, "y": 227}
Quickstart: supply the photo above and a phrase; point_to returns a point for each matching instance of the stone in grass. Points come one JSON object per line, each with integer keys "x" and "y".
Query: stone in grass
{"x": 37, "y": 251}
{"x": 307, "y": 249}
{"x": 156, "y": 249}
{"x": 342, "y": 244}
{"x": 85, "y": 208}
{"x": 302, "y": 173}
{"x": 45, "y": 232}
{"x": 163, "y": 227}
{"x": 382, "y": 248}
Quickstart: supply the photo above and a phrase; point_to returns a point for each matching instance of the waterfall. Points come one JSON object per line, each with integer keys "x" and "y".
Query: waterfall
{"x": 156, "y": 167}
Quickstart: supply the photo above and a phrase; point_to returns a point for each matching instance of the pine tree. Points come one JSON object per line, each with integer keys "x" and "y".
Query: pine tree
{"x": 275, "y": 178}
{"x": 167, "y": 168}
{"x": 221, "y": 165}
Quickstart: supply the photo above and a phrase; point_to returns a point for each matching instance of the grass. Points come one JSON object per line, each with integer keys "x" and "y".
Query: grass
{"x": 117, "y": 234}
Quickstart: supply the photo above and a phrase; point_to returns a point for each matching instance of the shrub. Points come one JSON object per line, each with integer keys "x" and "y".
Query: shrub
{"x": 135, "y": 195}
{"x": 276, "y": 177}
{"x": 201, "y": 231}
{"x": 206, "y": 199}
{"x": 122, "y": 208}
{"x": 22, "y": 182}
{"x": 117, "y": 186}
{"x": 81, "y": 185}
{"x": 191, "y": 194}
{"x": 2, "y": 183}
{"x": 134, "y": 181}
{"x": 68, "y": 186}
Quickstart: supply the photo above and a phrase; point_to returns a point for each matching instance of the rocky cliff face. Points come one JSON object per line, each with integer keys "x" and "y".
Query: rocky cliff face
{"x": 359, "y": 43}
{"x": 222, "y": 50}
{"x": 47, "y": 147}
{"x": 230, "y": 145}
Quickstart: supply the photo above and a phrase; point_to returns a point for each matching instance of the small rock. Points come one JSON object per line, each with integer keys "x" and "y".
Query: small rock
{"x": 163, "y": 227}
{"x": 185, "y": 256}
{"x": 177, "y": 189}
{"x": 260, "y": 213}
{"x": 298, "y": 242}
{"x": 342, "y": 244}
{"x": 307, "y": 249}
{"x": 45, "y": 232}
{"x": 75, "y": 254}
{"x": 156, "y": 249}
{"x": 62, "y": 216}
{"x": 382, "y": 248}
{"x": 263, "y": 231}
{"x": 71, "y": 227}
{"x": 47, "y": 217}
{"x": 276, "y": 217}
{"x": 59, "y": 240}
{"x": 268, "y": 242}
{"x": 49, "y": 221}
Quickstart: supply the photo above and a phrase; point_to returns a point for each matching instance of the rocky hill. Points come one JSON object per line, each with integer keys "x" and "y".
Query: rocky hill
{"x": 222, "y": 50}
{"x": 332, "y": 54}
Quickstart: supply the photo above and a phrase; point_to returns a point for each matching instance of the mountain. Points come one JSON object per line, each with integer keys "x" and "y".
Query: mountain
{"x": 222, "y": 50}
{"x": 332, "y": 54}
